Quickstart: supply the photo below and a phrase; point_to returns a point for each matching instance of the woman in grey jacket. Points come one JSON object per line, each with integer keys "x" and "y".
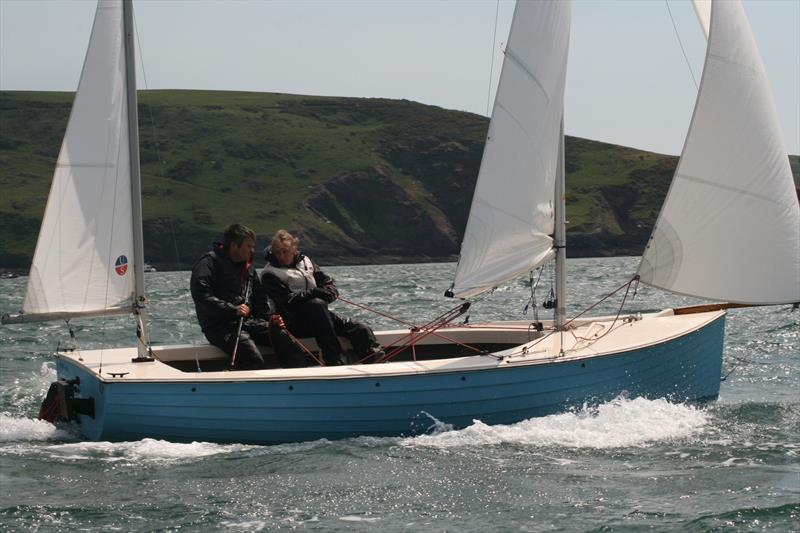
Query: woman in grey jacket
{"x": 301, "y": 293}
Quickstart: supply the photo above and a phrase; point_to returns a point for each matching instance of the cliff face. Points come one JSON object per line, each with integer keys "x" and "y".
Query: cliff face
{"x": 359, "y": 180}
{"x": 376, "y": 215}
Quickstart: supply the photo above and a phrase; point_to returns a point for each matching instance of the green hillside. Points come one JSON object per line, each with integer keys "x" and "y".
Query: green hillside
{"x": 360, "y": 180}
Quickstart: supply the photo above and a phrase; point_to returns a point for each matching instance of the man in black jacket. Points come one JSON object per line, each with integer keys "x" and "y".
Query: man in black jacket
{"x": 226, "y": 290}
{"x": 302, "y": 292}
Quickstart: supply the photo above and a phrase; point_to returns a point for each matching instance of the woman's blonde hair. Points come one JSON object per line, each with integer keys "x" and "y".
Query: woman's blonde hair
{"x": 284, "y": 237}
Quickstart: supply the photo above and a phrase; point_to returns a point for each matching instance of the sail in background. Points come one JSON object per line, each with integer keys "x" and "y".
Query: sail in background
{"x": 84, "y": 255}
{"x": 730, "y": 226}
{"x": 511, "y": 217}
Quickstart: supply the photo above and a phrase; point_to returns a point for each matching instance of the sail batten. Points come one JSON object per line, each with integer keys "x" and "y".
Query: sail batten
{"x": 511, "y": 219}
{"x": 83, "y": 257}
{"x": 730, "y": 225}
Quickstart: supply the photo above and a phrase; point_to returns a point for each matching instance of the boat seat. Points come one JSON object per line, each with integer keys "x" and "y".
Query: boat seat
{"x": 207, "y": 352}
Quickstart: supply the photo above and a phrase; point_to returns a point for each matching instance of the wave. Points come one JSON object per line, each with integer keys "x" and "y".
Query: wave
{"x": 620, "y": 423}
{"x": 776, "y": 518}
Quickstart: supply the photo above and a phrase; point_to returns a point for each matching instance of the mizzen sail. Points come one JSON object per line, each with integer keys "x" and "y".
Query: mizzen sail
{"x": 510, "y": 225}
{"x": 730, "y": 226}
{"x": 82, "y": 263}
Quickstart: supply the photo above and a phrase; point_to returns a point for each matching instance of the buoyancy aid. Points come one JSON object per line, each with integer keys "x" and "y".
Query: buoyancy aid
{"x": 299, "y": 276}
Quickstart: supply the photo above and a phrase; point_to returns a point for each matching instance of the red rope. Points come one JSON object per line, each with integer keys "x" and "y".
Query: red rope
{"x": 372, "y": 310}
{"x": 302, "y": 346}
{"x": 413, "y": 327}
{"x": 416, "y": 334}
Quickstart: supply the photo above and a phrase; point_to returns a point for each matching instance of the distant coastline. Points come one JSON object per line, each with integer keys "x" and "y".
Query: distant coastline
{"x": 360, "y": 180}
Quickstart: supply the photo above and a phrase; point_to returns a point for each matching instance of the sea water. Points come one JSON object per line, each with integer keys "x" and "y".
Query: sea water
{"x": 627, "y": 465}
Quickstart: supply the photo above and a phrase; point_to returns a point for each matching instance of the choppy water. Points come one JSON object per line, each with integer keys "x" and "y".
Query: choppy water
{"x": 629, "y": 465}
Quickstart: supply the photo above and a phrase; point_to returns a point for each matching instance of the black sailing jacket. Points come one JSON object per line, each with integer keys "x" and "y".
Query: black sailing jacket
{"x": 218, "y": 288}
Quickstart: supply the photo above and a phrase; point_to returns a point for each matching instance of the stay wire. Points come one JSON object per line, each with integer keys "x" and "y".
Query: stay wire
{"x": 109, "y": 256}
{"x": 680, "y": 43}
{"x": 619, "y": 311}
{"x": 740, "y": 361}
{"x": 157, "y": 146}
{"x": 532, "y": 300}
{"x": 626, "y": 286}
{"x": 491, "y": 66}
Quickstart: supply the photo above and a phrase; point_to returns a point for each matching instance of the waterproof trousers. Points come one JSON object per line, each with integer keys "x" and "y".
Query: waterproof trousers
{"x": 257, "y": 332}
{"x": 314, "y": 319}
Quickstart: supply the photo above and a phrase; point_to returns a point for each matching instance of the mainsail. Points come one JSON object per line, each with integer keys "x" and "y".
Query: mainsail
{"x": 511, "y": 222}
{"x": 84, "y": 256}
{"x": 730, "y": 226}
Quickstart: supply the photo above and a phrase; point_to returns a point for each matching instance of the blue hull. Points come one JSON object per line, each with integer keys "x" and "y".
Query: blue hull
{"x": 687, "y": 368}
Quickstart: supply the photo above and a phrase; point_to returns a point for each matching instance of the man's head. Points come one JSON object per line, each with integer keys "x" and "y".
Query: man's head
{"x": 239, "y": 241}
{"x": 284, "y": 247}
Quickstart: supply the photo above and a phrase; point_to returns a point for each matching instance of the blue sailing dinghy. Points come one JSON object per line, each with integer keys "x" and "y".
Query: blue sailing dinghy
{"x": 732, "y": 204}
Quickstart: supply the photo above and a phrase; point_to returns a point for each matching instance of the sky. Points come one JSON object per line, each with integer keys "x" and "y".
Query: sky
{"x": 628, "y": 81}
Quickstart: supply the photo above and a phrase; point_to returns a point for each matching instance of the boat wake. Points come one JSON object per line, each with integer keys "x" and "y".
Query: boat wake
{"x": 27, "y": 429}
{"x": 620, "y": 423}
{"x": 143, "y": 451}
{"x": 31, "y": 437}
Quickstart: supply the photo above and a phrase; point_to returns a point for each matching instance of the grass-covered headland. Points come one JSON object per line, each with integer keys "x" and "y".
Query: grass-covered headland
{"x": 360, "y": 180}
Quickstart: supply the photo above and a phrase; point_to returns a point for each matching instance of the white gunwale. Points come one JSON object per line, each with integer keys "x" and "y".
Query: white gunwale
{"x": 627, "y": 336}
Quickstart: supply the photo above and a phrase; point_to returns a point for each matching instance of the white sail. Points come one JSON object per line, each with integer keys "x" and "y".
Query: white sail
{"x": 82, "y": 263}
{"x": 730, "y": 226}
{"x": 702, "y": 9}
{"x": 511, "y": 219}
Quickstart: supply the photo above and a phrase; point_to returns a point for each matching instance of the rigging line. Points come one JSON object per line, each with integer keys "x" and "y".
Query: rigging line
{"x": 625, "y": 286}
{"x": 680, "y": 43}
{"x": 372, "y": 310}
{"x": 110, "y": 255}
{"x": 415, "y": 335}
{"x": 741, "y": 360}
{"x": 141, "y": 55}
{"x": 725, "y": 377}
{"x": 157, "y": 147}
{"x": 491, "y": 66}
{"x": 412, "y": 326}
{"x": 611, "y": 327}
{"x": 298, "y": 343}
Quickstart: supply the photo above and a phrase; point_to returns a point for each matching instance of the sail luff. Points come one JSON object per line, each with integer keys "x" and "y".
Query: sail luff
{"x": 729, "y": 228}
{"x": 511, "y": 221}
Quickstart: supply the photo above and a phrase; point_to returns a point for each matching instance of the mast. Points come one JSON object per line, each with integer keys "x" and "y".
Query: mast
{"x": 139, "y": 298}
{"x": 560, "y": 236}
